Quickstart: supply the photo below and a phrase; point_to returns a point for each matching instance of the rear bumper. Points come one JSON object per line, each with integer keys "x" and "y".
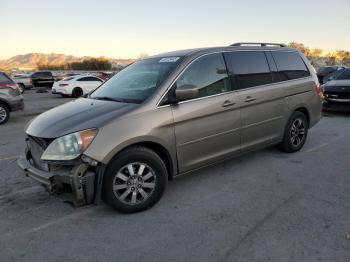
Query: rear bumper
{"x": 58, "y": 91}
{"x": 336, "y": 107}
{"x": 16, "y": 104}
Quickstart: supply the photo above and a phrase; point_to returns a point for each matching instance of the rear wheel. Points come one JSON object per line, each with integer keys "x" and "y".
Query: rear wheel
{"x": 4, "y": 113}
{"x": 295, "y": 133}
{"x": 135, "y": 180}
{"x": 77, "y": 92}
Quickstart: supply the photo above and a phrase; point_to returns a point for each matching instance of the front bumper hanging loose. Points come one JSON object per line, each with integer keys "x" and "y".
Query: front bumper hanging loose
{"x": 80, "y": 179}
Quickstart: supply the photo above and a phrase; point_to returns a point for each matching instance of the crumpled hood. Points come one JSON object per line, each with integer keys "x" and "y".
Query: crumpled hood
{"x": 77, "y": 115}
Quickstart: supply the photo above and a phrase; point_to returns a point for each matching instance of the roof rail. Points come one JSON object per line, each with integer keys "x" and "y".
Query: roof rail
{"x": 258, "y": 44}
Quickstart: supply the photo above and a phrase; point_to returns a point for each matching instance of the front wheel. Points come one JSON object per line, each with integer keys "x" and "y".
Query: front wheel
{"x": 135, "y": 180}
{"x": 295, "y": 133}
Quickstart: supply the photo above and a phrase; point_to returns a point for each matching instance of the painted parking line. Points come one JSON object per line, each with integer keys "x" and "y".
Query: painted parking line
{"x": 8, "y": 158}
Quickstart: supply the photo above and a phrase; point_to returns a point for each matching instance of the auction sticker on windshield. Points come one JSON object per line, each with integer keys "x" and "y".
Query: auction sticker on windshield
{"x": 169, "y": 59}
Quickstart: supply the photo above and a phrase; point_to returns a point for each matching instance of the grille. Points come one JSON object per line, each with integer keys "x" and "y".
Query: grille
{"x": 338, "y": 95}
{"x": 37, "y": 147}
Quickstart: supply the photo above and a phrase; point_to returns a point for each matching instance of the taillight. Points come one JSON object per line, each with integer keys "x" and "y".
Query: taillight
{"x": 12, "y": 86}
{"x": 62, "y": 84}
{"x": 318, "y": 88}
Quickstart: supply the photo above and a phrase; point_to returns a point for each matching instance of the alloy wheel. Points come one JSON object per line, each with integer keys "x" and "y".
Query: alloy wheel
{"x": 3, "y": 114}
{"x": 134, "y": 183}
{"x": 297, "y": 132}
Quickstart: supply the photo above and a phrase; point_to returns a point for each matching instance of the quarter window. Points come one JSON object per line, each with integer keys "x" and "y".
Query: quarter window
{"x": 250, "y": 68}
{"x": 290, "y": 65}
{"x": 208, "y": 74}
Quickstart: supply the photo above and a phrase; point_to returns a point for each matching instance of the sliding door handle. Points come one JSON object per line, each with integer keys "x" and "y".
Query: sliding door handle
{"x": 249, "y": 99}
{"x": 228, "y": 103}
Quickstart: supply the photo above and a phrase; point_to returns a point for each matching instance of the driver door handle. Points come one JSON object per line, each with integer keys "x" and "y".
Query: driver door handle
{"x": 249, "y": 99}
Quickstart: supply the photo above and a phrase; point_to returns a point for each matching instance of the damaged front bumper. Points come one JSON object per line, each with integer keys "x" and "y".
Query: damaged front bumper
{"x": 81, "y": 180}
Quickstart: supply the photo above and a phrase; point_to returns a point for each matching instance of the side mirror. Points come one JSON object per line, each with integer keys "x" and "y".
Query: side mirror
{"x": 186, "y": 92}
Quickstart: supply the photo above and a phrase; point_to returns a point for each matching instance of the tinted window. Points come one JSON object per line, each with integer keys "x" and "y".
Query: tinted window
{"x": 290, "y": 65}
{"x": 4, "y": 79}
{"x": 42, "y": 74}
{"x": 208, "y": 74}
{"x": 84, "y": 79}
{"x": 345, "y": 75}
{"x": 250, "y": 68}
{"x": 95, "y": 79}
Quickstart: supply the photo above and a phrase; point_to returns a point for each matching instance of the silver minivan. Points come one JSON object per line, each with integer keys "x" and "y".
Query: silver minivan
{"x": 170, "y": 114}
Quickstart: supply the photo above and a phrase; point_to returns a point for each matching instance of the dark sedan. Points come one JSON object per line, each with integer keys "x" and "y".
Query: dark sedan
{"x": 337, "y": 93}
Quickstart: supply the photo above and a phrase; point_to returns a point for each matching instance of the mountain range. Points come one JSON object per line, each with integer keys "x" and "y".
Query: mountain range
{"x": 31, "y": 61}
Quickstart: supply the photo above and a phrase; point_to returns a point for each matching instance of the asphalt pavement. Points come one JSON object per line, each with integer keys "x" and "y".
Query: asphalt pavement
{"x": 263, "y": 206}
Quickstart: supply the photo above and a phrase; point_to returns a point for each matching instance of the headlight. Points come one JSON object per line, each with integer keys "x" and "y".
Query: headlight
{"x": 70, "y": 146}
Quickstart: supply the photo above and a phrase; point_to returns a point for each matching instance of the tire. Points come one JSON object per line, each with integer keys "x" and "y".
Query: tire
{"x": 4, "y": 113}
{"x": 129, "y": 193}
{"x": 21, "y": 87}
{"x": 77, "y": 92}
{"x": 295, "y": 133}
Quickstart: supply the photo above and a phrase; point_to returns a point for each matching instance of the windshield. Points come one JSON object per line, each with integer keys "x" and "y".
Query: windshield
{"x": 137, "y": 82}
{"x": 345, "y": 75}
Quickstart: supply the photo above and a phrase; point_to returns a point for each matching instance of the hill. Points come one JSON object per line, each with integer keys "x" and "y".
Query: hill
{"x": 32, "y": 60}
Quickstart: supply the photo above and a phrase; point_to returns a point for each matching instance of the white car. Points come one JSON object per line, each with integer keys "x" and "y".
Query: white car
{"x": 76, "y": 86}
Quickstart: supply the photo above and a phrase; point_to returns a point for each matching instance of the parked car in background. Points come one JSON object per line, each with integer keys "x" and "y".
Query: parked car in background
{"x": 42, "y": 79}
{"x": 336, "y": 93}
{"x": 23, "y": 82}
{"x": 10, "y": 97}
{"x": 76, "y": 86}
{"x": 171, "y": 114}
{"x": 325, "y": 71}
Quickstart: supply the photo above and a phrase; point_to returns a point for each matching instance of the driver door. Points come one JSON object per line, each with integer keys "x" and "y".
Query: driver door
{"x": 207, "y": 128}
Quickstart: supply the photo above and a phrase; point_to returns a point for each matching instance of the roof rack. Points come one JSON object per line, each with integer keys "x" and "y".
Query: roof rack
{"x": 258, "y": 44}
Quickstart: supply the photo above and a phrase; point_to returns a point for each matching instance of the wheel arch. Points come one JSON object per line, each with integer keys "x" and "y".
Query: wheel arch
{"x": 305, "y": 111}
{"x": 6, "y": 104}
{"x": 159, "y": 149}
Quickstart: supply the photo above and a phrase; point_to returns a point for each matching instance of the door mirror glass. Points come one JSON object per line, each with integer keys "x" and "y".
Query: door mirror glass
{"x": 186, "y": 92}
{"x": 206, "y": 76}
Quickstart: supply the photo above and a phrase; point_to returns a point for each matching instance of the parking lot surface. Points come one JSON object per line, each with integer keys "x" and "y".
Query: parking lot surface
{"x": 263, "y": 206}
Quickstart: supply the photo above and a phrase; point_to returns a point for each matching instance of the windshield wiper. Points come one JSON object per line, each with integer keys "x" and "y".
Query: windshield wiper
{"x": 107, "y": 98}
{"x": 121, "y": 100}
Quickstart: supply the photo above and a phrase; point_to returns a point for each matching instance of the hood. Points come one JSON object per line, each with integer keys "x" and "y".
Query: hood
{"x": 337, "y": 86}
{"x": 77, "y": 115}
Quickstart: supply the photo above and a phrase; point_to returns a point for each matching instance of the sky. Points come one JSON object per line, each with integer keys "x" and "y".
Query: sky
{"x": 127, "y": 28}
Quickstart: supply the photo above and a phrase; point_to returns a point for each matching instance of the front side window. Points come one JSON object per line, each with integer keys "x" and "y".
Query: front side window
{"x": 138, "y": 81}
{"x": 250, "y": 68}
{"x": 290, "y": 65}
{"x": 208, "y": 74}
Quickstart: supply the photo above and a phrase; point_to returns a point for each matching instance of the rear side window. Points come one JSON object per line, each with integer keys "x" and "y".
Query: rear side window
{"x": 250, "y": 68}
{"x": 4, "y": 79}
{"x": 290, "y": 65}
{"x": 208, "y": 74}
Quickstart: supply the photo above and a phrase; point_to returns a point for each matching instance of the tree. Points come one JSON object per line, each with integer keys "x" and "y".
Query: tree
{"x": 142, "y": 56}
{"x": 91, "y": 64}
{"x": 301, "y": 47}
{"x": 316, "y": 52}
